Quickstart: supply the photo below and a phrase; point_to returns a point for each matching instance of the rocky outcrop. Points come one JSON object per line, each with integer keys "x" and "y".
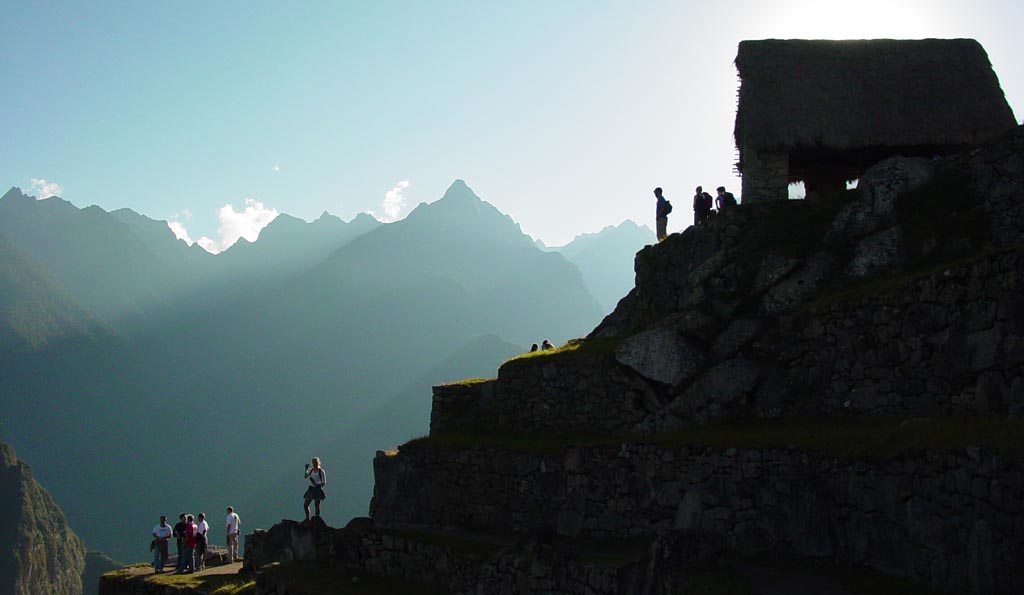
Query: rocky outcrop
{"x": 904, "y": 301}
{"x": 39, "y": 553}
{"x": 96, "y": 565}
{"x": 946, "y": 343}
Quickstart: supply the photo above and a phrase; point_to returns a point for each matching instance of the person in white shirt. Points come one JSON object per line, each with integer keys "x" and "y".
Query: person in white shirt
{"x": 161, "y": 533}
{"x": 231, "y": 530}
{"x": 315, "y": 492}
{"x": 202, "y": 529}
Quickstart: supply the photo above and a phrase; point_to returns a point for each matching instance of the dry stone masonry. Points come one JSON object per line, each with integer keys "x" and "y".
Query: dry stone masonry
{"x": 901, "y": 305}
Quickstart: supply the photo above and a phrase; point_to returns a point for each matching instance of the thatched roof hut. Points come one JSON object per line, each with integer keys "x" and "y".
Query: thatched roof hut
{"x": 822, "y": 112}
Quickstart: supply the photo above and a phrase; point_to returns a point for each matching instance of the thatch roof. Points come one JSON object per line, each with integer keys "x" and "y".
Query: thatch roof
{"x": 852, "y": 95}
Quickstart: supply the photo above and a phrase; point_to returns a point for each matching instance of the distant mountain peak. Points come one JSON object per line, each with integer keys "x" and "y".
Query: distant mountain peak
{"x": 14, "y": 192}
{"x": 460, "y": 191}
{"x": 364, "y": 217}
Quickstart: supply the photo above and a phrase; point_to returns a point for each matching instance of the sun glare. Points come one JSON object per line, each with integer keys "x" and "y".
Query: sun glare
{"x": 866, "y": 19}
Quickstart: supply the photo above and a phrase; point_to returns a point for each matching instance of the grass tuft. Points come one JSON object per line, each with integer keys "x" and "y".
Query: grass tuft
{"x": 468, "y": 382}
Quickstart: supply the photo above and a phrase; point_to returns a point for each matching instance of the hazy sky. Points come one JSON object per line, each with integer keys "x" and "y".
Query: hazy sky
{"x": 563, "y": 114}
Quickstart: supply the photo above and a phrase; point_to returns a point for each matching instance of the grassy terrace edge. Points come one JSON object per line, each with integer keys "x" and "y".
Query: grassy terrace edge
{"x": 876, "y": 439}
{"x": 572, "y": 348}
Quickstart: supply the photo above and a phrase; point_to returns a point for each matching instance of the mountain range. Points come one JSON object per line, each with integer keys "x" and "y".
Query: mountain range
{"x": 147, "y": 372}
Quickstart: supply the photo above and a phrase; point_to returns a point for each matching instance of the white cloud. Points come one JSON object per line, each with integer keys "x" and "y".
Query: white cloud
{"x": 234, "y": 224}
{"x": 277, "y": 169}
{"x": 177, "y": 228}
{"x": 393, "y": 202}
{"x": 180, "y": 232}
{"x": 44, "y": 189}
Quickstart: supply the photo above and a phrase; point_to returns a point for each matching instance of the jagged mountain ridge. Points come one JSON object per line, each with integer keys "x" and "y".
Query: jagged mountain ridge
{"x": 300, "y": 358}
{"x": 95, "y": 256}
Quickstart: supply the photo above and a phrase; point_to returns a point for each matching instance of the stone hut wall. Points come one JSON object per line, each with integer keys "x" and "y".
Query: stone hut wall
{"x": 951, "y": 520}
{"x": 765, "y": 175}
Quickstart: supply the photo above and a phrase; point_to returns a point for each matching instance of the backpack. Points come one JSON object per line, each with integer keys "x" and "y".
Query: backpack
{"x": 668, "y": 207}
{"x": 728, "y": 200}
{"x": 706, "y": 202}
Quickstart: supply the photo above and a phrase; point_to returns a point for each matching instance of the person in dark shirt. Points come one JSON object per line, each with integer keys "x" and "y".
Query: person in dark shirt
{"x": 179, "y": 535}
{"x": 724, "y": 199}
{"x": 661, "y": 212}
{"x": 702, "y": 204}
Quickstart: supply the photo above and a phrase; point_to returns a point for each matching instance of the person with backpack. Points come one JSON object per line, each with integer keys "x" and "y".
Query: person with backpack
{"x": 661, "y": 211}
{"x": 724, "y": 199}
{"x": 702, "y": 204}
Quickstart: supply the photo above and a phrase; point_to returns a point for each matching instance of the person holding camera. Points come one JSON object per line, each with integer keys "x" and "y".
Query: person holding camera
{"x": 315, "y": 492}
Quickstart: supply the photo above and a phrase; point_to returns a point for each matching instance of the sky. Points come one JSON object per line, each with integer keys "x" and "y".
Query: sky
{"x": 217, "y": 116}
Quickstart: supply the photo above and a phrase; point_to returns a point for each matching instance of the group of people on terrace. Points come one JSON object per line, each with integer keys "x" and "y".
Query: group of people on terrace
{"x": 192, "y": 536}
{"x": 703, "y": 207}
{"x": 192, "y": 532}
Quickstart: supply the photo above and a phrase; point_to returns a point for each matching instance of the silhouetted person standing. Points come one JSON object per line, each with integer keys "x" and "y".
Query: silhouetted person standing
{"x": 724, "y": 199}
{"x": 701, "y": 206}
{"x": 661, "y": 212}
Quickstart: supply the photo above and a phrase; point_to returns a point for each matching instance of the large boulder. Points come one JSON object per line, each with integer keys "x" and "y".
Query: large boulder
{"x": 877, "y": 252}
{"x": 879, "y": 188}
{"x": 799, "y": 285}
{"x": 663, "y": 355}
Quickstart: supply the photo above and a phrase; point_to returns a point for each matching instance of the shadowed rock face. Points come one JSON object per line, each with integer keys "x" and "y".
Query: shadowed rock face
{"x": 39, "y": 554}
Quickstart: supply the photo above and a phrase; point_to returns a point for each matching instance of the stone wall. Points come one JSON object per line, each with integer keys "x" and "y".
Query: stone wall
{"x": 560, "y": 392}
{"x": 765, "y": 175}
{"x": 530, "y": 568}
{"x": 950, "y": 343}
{"x": 951, "y": 520}
{"x": 457, "y": 564}
{"x": 995, "y": 172}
